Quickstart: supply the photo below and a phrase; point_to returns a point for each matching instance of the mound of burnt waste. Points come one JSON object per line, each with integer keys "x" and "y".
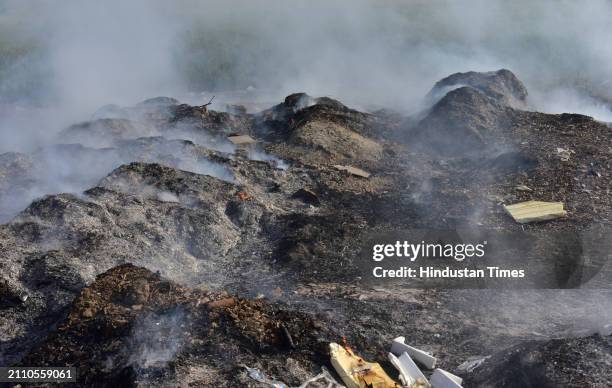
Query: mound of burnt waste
{"x": 502, "y": 86}
{"x": 463, "y": 121}
{"x": 168, "y": 244}
{"x": 575, "y": 362}
{"x": 469, "y": 112}
{"x": 320, "y": 130}
{"x": 132, "y": 327}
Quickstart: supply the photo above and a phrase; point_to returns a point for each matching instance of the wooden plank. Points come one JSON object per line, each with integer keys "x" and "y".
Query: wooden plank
{"x": 353, "y": 170}
{"x": 533, "y": 211}
{"x": 356, "y": 372}
{"x": 241, "y": 139}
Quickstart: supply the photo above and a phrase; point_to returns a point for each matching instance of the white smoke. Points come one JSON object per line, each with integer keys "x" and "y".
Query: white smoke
{"x": 364, "y": 52}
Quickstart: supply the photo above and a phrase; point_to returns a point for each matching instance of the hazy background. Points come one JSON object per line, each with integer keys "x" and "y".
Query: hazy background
{"x": 74, "y": 56}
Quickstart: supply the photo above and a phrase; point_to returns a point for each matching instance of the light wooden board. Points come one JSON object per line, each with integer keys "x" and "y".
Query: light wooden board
{"x": 353, "y": 170}
{"x": 357, "y": 373}
{"x": 241, "y": 139}
{"x": 533, "y": 211}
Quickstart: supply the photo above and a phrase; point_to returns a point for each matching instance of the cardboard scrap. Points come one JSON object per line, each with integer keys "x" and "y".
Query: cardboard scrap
{"x": 533, "y": 211}
{"x": 353, "y": 170}
{"x": 241, "y": 139}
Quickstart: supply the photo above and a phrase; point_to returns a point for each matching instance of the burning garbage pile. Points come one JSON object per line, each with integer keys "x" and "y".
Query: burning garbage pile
{"x": 133, "y": 327}
{"x": 222, "y": 248}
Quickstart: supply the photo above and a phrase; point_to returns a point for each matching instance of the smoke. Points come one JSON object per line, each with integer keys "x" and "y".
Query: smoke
{"x": 86, "y": 54}
{"x": 563, "y": 99}
{"x": 157, "y": 339}
{"x": 73, "y": 168}
{"x": 62, "y": 60}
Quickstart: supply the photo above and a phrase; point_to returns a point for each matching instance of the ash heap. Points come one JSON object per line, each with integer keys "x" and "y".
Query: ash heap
{"x": 188, "y": 246}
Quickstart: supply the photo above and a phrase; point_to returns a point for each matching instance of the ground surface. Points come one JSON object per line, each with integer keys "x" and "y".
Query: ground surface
{"x": 167, "y": 218}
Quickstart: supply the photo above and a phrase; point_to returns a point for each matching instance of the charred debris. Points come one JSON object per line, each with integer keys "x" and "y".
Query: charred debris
{"x": 196, "y": 242}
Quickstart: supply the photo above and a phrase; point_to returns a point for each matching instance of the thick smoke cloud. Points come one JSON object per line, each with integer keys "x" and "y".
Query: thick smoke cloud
{"x": 61, "y": 60}
{"x": 364, "y": 52}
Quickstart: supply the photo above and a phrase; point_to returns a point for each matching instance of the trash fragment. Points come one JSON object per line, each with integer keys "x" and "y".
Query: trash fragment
{"x": 564, "y": 154}
{"x": 287, "y": 336}
{"x": 260, "y": 377}
{"x": 398, "y": 347}
{"x": 241, "y": 140}
{"x": 472, "y": 363}
{"x": 523, "y": 188}
{"x": 410, "y": 374}
{"x": 244, "y": 196}
{"x": 532, "y": 211}
{"x": 166, "y": 196}
{"x": 10, "y": 295}
{"x": 227, "y": 302}
{"x": 277, "y": 292}
{"x": 307, "y": 196}
{"x": 443, "y": 379}
{"x": 353, "y": 170}
{"x": 325, "y": 376}
{"x": 357, "y": 373}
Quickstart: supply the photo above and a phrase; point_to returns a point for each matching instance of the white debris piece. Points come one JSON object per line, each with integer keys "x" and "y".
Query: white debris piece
{"x": 472, "y": 363}
{"x": 259, "y": 376}
{"x": 326, "y": 377}
{"x": 410, "y": 374}
{"x": 398, "y": 347}
{"x": 443, "y": 379}
{"x": 564, "y": 154}
{"x": 166, "y": 196}
{"x": 523, "y": 188}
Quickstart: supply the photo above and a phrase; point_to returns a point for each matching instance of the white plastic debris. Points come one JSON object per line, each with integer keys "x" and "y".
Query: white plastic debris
{"x": 259, "y": 376}
{"x": 326, "y": 377}
{"x": 166, "y": 196}
{"x": 564, "y": 154}
{"x": 443, "y": 379}
{"x": 398, "y": 347}
{"x": 472, "y": 363}
{"x": 524, "y": 188}
{"x": 410, "y": 374}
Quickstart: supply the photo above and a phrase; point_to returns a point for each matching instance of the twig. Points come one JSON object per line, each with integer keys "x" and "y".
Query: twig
{"x": 209, "y": 102}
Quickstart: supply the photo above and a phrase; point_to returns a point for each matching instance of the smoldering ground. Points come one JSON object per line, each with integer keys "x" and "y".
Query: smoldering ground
{"x": 70, "y": 58}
